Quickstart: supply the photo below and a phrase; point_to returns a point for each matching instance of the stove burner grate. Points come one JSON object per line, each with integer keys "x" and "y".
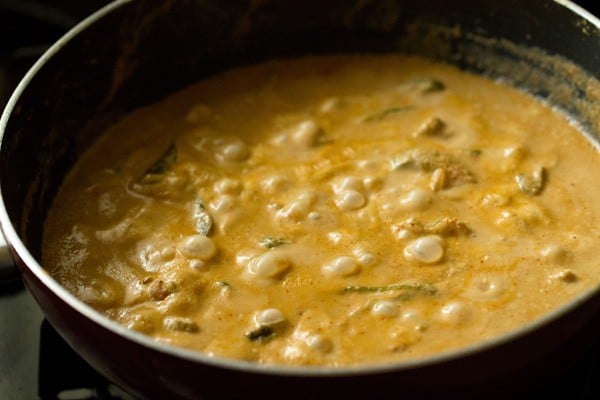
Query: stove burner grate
{"x": 64, "y": 375}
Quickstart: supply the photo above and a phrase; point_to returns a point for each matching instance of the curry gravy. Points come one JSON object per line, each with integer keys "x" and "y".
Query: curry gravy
{"x": 331, "y": 211}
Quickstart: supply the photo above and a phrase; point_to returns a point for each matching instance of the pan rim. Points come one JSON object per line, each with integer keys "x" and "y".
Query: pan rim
{"x": 21, "y": 251}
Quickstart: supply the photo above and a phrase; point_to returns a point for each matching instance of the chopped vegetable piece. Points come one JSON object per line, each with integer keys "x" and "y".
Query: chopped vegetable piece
{"x": 532, "y": 184}
{"x": 411, "y": 225}
{"x": 428, "y": 160}
{"x": 430, "y": 85}
{"x": 270, "y": 242}
{"x": 565, "y": 275}
{"x": 181, "y": 325}
{"x": 262, "y": 333}
{"x": 408, "y": 295}
{"x": 160, "y": 290}
{"x": 438, "y": 180}
{"x": 155, "y": 173}
{"x": 446, "y": 226}
{"x": 425, "y": 85}
{"x": 385, "y": 113}
{"x": 421, "y": 287}
{"x": 203, "y": 220}
{"x": 432, "y": 127}
{"x": 224, "y": 287}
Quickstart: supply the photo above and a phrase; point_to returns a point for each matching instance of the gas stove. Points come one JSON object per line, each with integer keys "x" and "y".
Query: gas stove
{"x": 35, "y": 362}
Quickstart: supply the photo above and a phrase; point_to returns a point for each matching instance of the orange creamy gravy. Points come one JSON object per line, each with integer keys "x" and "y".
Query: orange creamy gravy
{"x": 331, "y": 211}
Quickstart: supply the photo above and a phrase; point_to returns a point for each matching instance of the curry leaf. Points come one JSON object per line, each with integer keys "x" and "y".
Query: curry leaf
{"x": 421, "y": 287}
{"x": 165, "y": 162}
{"x": 262, "y": 333}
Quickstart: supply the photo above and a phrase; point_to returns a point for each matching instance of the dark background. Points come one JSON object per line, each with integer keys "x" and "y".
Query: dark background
{"x": 27, "y": 28}
{"x": 591, "y": 5}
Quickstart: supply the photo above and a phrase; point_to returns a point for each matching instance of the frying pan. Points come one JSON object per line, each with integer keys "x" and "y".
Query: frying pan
{"x": 134, "y": 52}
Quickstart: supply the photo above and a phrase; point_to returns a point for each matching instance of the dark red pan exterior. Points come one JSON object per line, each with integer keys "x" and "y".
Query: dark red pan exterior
{"x": 134, "y": 52}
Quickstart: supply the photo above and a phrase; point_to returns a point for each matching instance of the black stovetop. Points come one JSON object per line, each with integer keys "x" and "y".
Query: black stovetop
{"x": 35, "y": 363}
